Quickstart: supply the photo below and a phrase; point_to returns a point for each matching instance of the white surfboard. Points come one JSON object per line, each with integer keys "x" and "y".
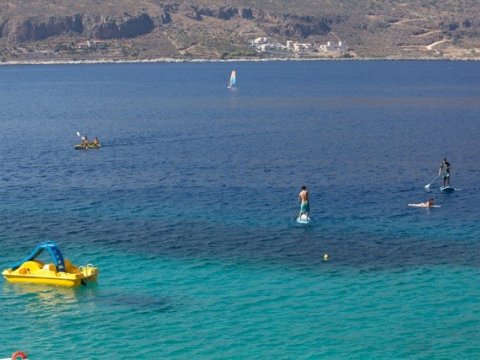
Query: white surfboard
{"x": 423, "y": 205}
{"x": 303, "y": 219}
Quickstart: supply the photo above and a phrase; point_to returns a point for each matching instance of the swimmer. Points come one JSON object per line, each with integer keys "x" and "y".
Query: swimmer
{"x": 429, "y": 203}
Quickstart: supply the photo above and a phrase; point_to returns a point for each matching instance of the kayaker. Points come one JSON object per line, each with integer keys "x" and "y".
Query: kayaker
{"x": 96, "y": 142}
{"x": 85, "y": 142}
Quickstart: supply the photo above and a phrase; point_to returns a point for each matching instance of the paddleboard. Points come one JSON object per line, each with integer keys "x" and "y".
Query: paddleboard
{"x": 303, "y": 219}
{"x": 423, "y": 205}
{"x": 447, "y": 189}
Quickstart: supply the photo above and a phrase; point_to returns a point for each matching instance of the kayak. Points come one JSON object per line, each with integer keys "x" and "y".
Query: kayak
{"x": 90, "y": 146}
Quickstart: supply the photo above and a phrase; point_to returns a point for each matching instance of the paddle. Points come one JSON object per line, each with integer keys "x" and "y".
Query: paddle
{"x": 81, "y": 137}
{"x": 431, "y": 182}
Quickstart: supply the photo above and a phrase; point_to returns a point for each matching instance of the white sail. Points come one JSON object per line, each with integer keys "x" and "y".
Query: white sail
{"x": 233, "y": 79}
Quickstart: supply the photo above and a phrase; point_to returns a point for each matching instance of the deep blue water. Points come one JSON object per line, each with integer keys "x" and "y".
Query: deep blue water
{"x": 188, "y": 209}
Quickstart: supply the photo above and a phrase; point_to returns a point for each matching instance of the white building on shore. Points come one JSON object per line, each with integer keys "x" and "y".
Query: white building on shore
{"x": 302, "y": 48}
{"x": 263, "y": 44}
{"x": 259, "y": 41}
{"x": 333, "y": 47}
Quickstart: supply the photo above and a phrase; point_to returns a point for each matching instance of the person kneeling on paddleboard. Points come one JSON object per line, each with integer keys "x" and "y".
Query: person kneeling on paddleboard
{"x": 445, "y": 171}
{"x": 303, "y": 199}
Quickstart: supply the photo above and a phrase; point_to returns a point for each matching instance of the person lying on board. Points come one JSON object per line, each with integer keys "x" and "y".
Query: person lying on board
{"x": 428, "y": 203}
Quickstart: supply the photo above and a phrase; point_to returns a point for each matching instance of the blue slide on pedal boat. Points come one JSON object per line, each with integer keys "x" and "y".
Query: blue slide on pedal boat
{"x": 61, "y": 272}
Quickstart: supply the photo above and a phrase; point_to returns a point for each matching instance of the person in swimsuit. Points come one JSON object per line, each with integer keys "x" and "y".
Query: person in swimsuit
{"x": 303, "y": 199}
{"x": 96, "y": 142}
{"x": 429, "y": 203}
{"x": 85, "y": 142}
{"x": 445, "y": 171}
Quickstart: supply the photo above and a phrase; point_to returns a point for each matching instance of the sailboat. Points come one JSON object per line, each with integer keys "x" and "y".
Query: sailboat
{"x": 233, "y": 79}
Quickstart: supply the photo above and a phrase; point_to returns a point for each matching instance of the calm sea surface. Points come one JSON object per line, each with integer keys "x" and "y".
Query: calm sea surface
{"x": 188, "y": 210}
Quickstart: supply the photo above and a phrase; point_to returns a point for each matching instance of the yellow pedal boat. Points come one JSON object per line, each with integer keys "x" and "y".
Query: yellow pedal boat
{"x": 60, "y": 273}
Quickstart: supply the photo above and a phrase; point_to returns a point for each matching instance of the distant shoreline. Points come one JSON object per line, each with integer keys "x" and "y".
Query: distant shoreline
{"x": 173, "y": 60}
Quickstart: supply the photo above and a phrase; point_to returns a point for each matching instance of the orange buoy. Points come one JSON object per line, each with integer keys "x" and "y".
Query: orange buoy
{"x": 18, "y": 355}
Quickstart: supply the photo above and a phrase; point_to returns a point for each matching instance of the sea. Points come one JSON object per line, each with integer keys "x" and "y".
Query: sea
{"x": 188, "y": 209}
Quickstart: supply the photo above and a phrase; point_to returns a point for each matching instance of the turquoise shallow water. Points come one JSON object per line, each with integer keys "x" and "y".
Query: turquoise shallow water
{"x": 188, "y": 210}
{"x": 212, "y": 309}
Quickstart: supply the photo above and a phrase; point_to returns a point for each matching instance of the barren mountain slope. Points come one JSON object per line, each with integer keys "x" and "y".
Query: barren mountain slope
{"x": 214, "y": 29}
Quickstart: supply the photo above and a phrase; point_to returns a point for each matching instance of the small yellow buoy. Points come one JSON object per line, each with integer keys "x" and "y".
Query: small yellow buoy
{"x": 325, "y": 257}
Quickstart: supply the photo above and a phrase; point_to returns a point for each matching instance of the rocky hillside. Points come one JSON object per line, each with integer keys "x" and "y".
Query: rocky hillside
{"x": 39, "y": 30}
